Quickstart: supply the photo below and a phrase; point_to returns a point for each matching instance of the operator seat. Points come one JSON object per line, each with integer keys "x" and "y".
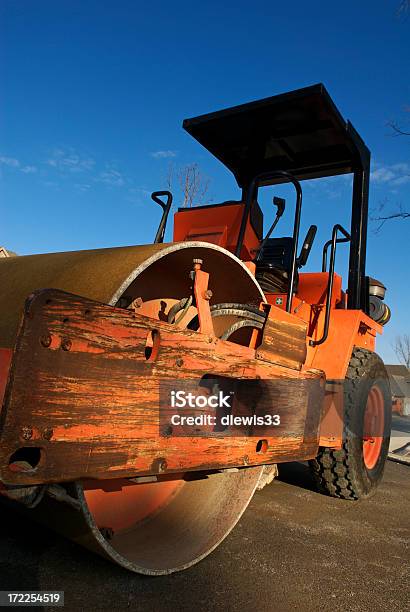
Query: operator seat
{"x": 274, "y": 265}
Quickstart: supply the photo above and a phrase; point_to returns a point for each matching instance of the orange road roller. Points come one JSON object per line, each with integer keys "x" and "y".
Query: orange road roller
{"x": 148, "y": 391}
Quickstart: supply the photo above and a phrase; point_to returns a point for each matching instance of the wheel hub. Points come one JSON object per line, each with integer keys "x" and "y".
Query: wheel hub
{"x": 373, "y": 426}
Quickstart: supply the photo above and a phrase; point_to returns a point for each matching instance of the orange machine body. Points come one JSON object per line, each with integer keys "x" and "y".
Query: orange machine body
{"x": 347, "y": 329}
{"x": 217, "y": 224}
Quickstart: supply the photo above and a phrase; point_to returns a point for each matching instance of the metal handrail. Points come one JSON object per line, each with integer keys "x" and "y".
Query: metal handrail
{"x": 329, "y": 242}
{"x": 166, "y": 207}
{"x": 334, "y": 240}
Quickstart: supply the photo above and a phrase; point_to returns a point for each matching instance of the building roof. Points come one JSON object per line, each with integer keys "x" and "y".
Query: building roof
{"x": 399, "y": 377}
{"x": 6, "y": 252}
{"x": 398, "y": 370}
{"x": 395, "y": 387}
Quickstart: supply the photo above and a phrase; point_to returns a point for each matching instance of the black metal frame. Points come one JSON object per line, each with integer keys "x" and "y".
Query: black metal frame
{"x": 357, "y": 298}
{"x": 334, "y": 241}
{"x": 356, "y": 292}
{"x": 338, "y": 149}
{"x": 251, "y": 195}
{"x": 359, "y": 206}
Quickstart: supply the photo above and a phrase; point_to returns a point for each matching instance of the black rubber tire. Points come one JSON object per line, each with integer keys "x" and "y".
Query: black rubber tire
{"x": 343, "y": 473}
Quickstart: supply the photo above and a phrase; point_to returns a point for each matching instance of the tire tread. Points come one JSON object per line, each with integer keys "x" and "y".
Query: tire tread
{"x": 331, "y": 469}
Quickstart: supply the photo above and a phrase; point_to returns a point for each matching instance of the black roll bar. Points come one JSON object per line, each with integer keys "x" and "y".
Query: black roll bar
{"x": 250, "y": 193}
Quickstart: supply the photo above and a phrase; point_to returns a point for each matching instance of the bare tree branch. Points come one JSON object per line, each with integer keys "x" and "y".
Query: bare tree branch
{"x": 400, "y": 213}
{"x": 191, "y": 183}
{"x": 398, "y": 131}
{"x": 170, "y": 174}
{"x": 194, "y": 185}
{"x": 401, "y": 347}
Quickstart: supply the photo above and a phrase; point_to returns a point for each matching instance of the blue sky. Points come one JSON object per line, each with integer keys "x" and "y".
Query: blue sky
{"x": 94, "y": 93}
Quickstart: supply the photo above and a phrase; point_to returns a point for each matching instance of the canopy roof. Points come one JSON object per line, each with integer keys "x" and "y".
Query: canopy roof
{"x": 301, "y": 132}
